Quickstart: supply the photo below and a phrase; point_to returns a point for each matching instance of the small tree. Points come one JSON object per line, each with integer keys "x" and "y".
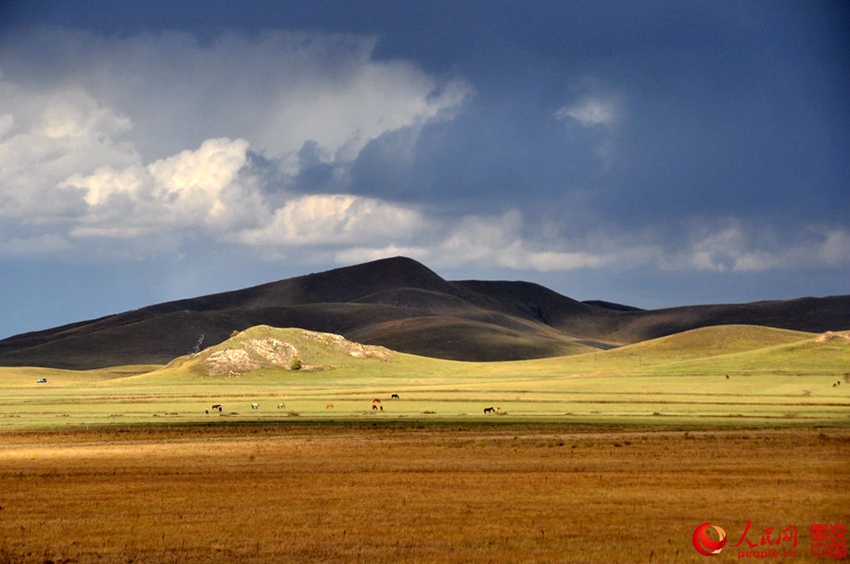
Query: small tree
{"x": 295, "y": 364}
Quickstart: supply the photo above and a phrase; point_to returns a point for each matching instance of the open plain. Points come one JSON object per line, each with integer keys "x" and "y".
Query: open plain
{"x": 412, "y": 493}
{"x": 368, "y": 455}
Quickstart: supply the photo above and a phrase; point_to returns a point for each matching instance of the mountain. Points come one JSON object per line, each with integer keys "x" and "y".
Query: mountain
{"x": 400, "y": 304}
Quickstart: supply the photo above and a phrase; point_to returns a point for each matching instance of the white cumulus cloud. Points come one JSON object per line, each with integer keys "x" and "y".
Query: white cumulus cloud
{"x": 196, "y": 189}
{"x": 47, "y": 136}
{"x": 341, "y": 219}
{"x": 112, "y": 145}
{"x": 276, "y": 89}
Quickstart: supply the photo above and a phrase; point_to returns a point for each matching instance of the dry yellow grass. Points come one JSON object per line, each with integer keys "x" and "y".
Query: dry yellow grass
{"x": 412, "y": 494}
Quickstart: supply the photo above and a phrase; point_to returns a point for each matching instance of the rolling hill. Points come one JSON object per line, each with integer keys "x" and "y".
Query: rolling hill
{"x": 262, "y": 348}
{"x": 402, "y": 305}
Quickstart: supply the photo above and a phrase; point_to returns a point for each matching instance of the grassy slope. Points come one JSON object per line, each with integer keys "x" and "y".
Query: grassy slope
{"x": 775, "y": 376}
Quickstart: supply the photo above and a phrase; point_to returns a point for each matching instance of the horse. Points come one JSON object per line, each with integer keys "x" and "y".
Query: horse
{"x": 489, "y": 410}
{"x": 281, "y": 405}
{"x": 329, "y": 406}
{"x": 376, "y": 400}
{"x": 255, "y": 406}
{"x": 394, "y": 396}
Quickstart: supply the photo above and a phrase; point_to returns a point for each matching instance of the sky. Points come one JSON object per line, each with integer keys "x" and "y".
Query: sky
{"x": 656, "y": 154}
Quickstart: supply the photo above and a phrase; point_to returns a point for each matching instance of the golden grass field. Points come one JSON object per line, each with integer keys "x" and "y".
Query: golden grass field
{"x": 391, "y": 493}
{"x": 613, "y": 456}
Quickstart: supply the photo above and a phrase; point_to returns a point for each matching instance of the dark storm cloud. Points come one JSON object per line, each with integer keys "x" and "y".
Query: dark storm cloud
{"x": 581, "y": 144}
{"x": 724, "y": 108}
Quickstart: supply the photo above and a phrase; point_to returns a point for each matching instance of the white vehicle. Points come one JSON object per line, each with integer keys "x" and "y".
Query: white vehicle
{"x": 42, "y": 380}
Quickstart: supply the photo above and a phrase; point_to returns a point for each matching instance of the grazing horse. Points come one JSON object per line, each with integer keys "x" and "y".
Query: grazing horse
{"x": 374, "y": 407}
{"x": 329, "y": 406}
{"x": 255, "y": 406}
{"x": 489, "y": 410}
{"x": 281, "y": 405}
{"x": 394, "y": 396}
{"x": 376, "y": 400}
{"x": 217, "y": 406}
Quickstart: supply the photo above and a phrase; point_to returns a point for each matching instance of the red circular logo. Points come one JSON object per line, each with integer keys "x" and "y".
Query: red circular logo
{"x": 705, "y": 544}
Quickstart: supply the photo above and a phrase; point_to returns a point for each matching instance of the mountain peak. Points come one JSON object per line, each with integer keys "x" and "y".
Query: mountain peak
{"x": 403, "y": 305}
{"x": 351, "y": 283}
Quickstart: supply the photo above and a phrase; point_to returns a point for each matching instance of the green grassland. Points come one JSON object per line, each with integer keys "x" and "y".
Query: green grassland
{"x": 717, "y": 376}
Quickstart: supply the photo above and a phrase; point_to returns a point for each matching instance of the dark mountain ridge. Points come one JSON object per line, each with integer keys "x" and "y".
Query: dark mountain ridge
{"x": 400, "y": 304}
